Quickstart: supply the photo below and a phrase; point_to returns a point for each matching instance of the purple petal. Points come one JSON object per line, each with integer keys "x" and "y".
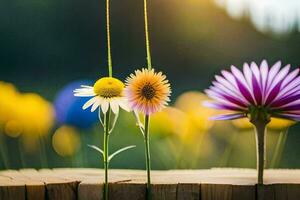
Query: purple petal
{"x": 275, "y": 86}
{"x": 228, "y": 88}
{"x": 214, "y": 95}
{"x": 255, "y": 71}
{"x": 230, "y": 78}
{"x": 273, "y": 94}
{"x": 272, "y": 73}
{"x": 247, "y": 74}
{"x": 257, "y": 90}
{"x": 289, "y": 116}
{"x": 220, "y": 106}
{"x": 280, "y": 76}
{"x": 289, "y": 78}
{"x": 228, "y": 97}
{"x": 288, "y": 91}
{"x": 228, "y": 116}
{"x": 225, "y": 90}
{"x": 293, "y": 106}
{"x": 245, "y": 92}
{"x": 264, "y": 70}
{"x": 285, "y": 100}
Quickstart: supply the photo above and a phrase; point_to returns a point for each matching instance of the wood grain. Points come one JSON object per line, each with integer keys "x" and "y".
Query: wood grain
{"x": 210, "y": 184}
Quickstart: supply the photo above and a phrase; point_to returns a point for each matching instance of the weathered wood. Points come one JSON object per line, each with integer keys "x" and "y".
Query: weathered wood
{"x": 35, "y": 190}
{"x": 92, "y": 190}
{"x": 213, "y": 184}
{"x": 188, "y": 191}
{"x": 11, "y": 189}
{"x": 127, "y": 191}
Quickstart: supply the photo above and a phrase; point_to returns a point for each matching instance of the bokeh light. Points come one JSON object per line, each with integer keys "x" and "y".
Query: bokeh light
{"x": 68, "y": 108}
{"x": 277, "y": 16}
{"x": 275, "y": 124}
{"x": 66, "y": 141}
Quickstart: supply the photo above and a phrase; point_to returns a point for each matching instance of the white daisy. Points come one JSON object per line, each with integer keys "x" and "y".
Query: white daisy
{"x": 106, "y": 93}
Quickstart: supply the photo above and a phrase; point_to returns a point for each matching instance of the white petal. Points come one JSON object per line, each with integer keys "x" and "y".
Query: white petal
{"x": 86, "y": 86}
{"x": 96, "y": 105}
{"x": 104, "y": 106}
{"x": 89, "y": 103}
{"x": 84, "y": 92}
{"x": 114, "y": 106}
{"x": 123, "y": 103}
{"x": 84, "y": 95}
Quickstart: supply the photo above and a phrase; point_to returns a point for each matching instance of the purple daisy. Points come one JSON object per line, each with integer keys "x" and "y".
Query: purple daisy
{"x": 273, "y": 91}
{"x": 258, "y": 93}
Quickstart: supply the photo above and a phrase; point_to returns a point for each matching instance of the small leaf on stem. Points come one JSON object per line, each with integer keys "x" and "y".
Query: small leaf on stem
{"x": 114, "y": 122}
{"x": 139, "y": 123}
{"x": 119, "y": 151}
{"x": 96, "y": 148}
{"x": 99, "y": 116}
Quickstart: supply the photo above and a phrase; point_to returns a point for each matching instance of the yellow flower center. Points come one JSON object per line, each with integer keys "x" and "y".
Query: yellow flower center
{"x": 108, "y": 87}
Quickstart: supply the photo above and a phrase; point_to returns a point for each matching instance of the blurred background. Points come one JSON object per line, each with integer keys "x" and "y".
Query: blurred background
{"x": 50, "y": 47}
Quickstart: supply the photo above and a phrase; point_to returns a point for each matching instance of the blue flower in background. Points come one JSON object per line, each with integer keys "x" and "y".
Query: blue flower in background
{"x": 68, "y": 108}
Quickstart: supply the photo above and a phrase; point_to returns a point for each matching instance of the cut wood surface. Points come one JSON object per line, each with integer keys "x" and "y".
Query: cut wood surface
{"x": 87, "y": 184}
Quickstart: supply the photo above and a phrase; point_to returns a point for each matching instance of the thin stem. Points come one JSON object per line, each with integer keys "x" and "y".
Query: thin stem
{"x": 108, "y": 40}
{"x": 21, "y": 152}
{"x": 260, "y": 130}
{"x": 227, "y": 153}
{"x": 43, "y": 154}
{"x": 105, "y": 150}
{"x": 3, "y": 150}
{"x": 147, "y": 36}
{"x": 147, "y": 154}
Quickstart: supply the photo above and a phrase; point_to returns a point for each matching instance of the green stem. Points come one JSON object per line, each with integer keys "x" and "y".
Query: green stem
{"x": 3, "y": 150}
{"x": 42, "y": 152}
{"x": 147, "y": 36}
{"x": 226, "y": 155}
{"x": 260, "y": 130}
{"x": 105, "y": 150}
{"x": 21, "y": 152}
{"x": 147, "y": 154}
{"x": 108, "y": 40}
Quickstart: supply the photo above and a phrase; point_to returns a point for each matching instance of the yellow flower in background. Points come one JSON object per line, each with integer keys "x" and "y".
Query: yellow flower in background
{"x": 36, "y": 117}
{"x": 35, "y": 114}
{"x": 24, "y": 113}
{"x": 242, "y": 123}
{"x": 280, "y": 124}
{"x": 191, "y": 104}
{"x": 13, "y": 128}
{"x": 275, "y": 124}
{"x": 66, "y": 141}
{"x": 8, "y": 97}
{"x": 169, "y": 121}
